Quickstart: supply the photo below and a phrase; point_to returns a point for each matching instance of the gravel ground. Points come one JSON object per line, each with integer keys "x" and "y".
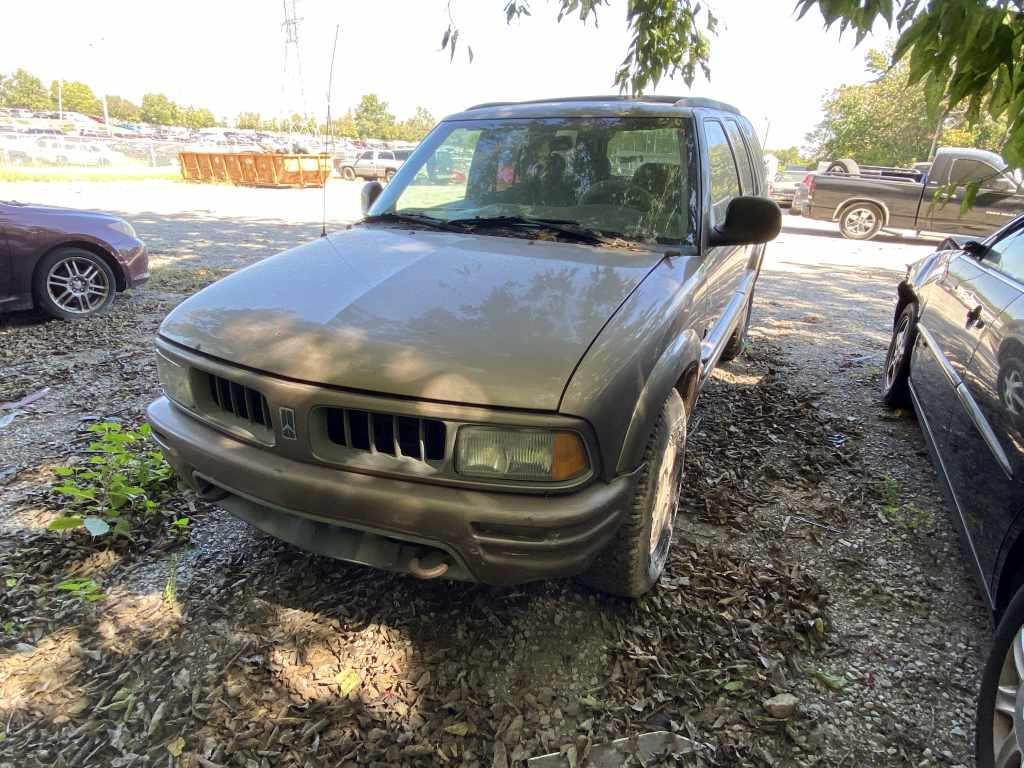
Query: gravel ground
{"x": 813, "y": 557}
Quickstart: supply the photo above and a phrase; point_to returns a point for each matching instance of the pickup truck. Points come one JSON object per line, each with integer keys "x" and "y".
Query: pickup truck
{"x": 864, "y": 200}
{"x": 374, "y": 164}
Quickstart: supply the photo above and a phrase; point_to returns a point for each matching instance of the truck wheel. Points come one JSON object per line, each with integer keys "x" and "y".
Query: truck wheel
{"x": 1000, "y": 719}
{"x": 72, "y": 283}
{"x": 846, "y": 165}
{"x": 348, "y": 173}
{"x": 636, "y": 557}
{"x": 860, "y": 221}
{"x": 389, "y": 174}
{"x": 896, "y": 374}
{"x": 738, "y": 341}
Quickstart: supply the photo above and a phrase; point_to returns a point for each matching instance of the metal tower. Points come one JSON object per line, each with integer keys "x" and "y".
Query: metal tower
{"x": 291, "y": 83}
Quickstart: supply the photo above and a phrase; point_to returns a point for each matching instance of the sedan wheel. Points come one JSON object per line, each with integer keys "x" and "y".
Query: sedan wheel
{"x": 72, "y": 283}
{"x": 1008, "y": 714}
{"x": 896, "y": 377}
{"x": 1011, "y": 386}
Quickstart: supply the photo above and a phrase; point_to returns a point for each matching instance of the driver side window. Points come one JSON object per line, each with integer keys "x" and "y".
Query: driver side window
{"x": 725, "y": 182}
{"x": 1007, "y": 255}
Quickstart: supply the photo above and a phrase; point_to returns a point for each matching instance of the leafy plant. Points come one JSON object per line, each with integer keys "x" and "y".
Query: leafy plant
{"x": 84, "y": 589}
{"x": 121, "y": 482}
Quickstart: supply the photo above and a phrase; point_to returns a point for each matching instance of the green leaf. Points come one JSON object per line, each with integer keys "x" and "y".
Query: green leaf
{"x": 970, "y": 195}
{"x": 64, "y": 523}
{"x": 832, "y": 682}
{"x": 96, "y": 526}
{"x": 733, "y": 685}
{"x": 11, "y": 582}
{"x": 63, "y": 471}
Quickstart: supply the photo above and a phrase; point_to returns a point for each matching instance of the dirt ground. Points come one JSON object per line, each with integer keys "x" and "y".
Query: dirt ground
{"x": 813, "y": 556}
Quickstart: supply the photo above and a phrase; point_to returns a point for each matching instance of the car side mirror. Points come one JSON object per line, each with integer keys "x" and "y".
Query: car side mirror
{"x": 371, "y": 191}
{"x": 748, "y": 221}
{"x": 974, "y": 248}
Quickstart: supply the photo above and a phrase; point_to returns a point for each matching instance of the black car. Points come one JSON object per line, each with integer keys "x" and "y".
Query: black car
{"x": 957, "y": 355}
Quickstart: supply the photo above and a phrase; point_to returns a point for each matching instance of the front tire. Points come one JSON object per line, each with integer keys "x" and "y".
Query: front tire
{"x": 1000, "y": 720}
{"x": 73, "y": 283}
{"x": 348, "y": 173}
{"x": 896, "y": 373}
{"x": 636, "y": 557}
{"x": 860, "y": 221}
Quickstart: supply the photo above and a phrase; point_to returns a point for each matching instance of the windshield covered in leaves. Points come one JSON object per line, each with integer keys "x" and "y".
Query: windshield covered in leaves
{"x": 631, "y": 178}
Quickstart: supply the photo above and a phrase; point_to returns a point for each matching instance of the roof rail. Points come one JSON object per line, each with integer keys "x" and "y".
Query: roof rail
{"x": 677, "y": 101}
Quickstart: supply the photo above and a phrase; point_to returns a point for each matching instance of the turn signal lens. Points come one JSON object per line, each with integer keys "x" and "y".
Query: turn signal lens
{"x": 506, "y": 453}
{"x": 175, "y": 380}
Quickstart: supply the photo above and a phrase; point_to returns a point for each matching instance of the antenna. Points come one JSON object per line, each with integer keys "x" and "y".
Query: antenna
{"x": 329, "y": 148}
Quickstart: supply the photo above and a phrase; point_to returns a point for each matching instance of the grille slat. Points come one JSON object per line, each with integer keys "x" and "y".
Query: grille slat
{"x": 238, "y": 400}
{"x": 400, "y": 436}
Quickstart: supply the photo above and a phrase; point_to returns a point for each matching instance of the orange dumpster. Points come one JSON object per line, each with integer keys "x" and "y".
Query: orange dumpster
{"x": 256, "y": 170}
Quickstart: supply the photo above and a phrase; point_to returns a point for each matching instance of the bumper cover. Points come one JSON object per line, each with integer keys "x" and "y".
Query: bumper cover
{"x": 494, "y": 538}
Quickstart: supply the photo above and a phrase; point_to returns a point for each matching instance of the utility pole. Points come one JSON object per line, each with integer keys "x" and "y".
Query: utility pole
{"x": 60, "y": 98}
{"x": 106, "y": 116}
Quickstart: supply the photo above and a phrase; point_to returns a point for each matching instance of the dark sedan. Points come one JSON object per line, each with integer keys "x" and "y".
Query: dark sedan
{"x": 957, "y": 354}
{"x": 66, "y": 262}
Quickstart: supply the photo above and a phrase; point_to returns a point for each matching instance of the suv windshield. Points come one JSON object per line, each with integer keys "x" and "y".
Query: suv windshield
{"x": 623, "y": 177}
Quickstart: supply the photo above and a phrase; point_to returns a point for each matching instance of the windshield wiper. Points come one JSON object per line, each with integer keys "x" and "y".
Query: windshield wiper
{"x": 562, "y": 226}
{"x": 409, "y": 218}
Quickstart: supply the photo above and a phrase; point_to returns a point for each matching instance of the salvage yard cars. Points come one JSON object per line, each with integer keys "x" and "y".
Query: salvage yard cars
{"x": 489, "y": 377}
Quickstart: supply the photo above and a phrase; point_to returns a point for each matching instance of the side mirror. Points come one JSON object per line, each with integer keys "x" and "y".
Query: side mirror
{"x": 974, "y": 248}
{"x": 371, "y": 191}
{"x": 748, "y": 221}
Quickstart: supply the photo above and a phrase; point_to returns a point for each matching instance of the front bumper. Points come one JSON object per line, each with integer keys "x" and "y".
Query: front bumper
{"x": 134, "y": 262}
{"x": 491, "y": 537}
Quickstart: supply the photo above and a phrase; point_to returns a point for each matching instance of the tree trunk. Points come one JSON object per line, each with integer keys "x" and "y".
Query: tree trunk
{"x": 937, "y": 134}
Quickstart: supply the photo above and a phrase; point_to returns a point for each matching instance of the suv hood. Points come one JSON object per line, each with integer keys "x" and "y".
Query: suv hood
{"x": 459, "y": 318}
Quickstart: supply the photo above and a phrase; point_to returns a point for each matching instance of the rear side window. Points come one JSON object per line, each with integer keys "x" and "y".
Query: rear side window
{"x": 725, "y": 182}
{"x": 366, "y": 156}
{"x": 1007, "y": 255}
{"x": 739, "y": 151}
{"x": 387, "y": 156}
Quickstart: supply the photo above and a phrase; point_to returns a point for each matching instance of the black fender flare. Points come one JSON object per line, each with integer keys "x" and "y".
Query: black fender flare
{"x": 679, "y": 361}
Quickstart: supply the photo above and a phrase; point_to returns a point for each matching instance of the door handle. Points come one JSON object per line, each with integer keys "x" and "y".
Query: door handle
{"x": 974, "y": 317}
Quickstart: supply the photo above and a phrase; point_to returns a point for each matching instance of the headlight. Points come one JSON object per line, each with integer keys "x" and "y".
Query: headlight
{"x": 507, "y": 453}
{"x": 124, "y": 228}
{"x": 175, "y": 380}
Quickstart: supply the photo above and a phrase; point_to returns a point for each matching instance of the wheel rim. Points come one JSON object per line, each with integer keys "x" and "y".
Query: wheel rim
{"x": 897, "y": 352}
{"x": 666, "y": 498}
{"x": 1013, "y": 392}
{"x": 1008, "y": 719}
{"x": 76, "y": 285}
{"x": 860, "y": 221}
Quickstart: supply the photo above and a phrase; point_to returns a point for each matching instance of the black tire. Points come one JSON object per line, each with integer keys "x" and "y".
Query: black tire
{"x": 846, "y": 165}
{"x": 738, "y": 341}
{"x": 389, "y": 174}
{"x": 1006, "y": 669}
{"x": 860, "y": 221}
{"x": 55, "y": 266}
{"x": 348, "y": 173}
{"x": 631, "y": 564}
{"x": 896, "y": 372}
{"x": 1010, "y": 380}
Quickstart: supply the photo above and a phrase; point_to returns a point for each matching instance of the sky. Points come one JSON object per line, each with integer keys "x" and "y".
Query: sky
{"x": 229, "y": 55}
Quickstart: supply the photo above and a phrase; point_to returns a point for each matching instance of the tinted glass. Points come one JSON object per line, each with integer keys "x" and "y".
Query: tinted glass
{"x": 386, "y": 156}
{"x": 965, "y": 170}
{"x": 366, "y": 156}
{"x": 739, "y": 152}
{"x": 624, "y": 177}
{"x": 1007, "y": 255}
{"x": 725, "y": 183}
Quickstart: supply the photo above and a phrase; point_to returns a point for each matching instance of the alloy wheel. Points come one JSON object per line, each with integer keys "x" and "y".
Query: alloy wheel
{"x": 860, "y": 221}
{"x": 77, "y": 285}
{"x": 899, "y": 349}
{"x": 666, "y": 499}
{"x": 1013, "y": 392}
{"x": 1008, "y": 721}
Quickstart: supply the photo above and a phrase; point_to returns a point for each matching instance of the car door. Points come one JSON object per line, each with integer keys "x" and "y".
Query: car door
{"x": 984, "y": 443}
{"x": 365, "y": 165}
{"x": 722, "y": 267}
{"x": 996, "y": 202}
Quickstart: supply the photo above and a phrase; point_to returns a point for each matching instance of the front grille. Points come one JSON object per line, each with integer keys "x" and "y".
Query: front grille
{"x": 401, "y": 436}
{"x": 241, "y": 402}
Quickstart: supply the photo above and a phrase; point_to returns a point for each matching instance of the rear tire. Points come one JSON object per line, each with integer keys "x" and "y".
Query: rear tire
{"x": 737, "y": 343}
{"x": 860, "y": 221}
{"x": 896, "y": 372}
{"x": 635, "y": 558}
{"x": 348, "y": 173}
{"x": 995, "y": 743}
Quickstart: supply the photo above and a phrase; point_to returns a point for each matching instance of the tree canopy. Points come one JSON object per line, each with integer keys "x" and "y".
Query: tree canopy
{"x": 888, "y": 121}
{"x": 966, "y": 53}
{"x": 75, "y": 96}
{"x": 24, "y": 90}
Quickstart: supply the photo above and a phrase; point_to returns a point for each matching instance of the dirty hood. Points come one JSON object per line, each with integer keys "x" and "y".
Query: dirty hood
{"x": 450, "y": 317}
